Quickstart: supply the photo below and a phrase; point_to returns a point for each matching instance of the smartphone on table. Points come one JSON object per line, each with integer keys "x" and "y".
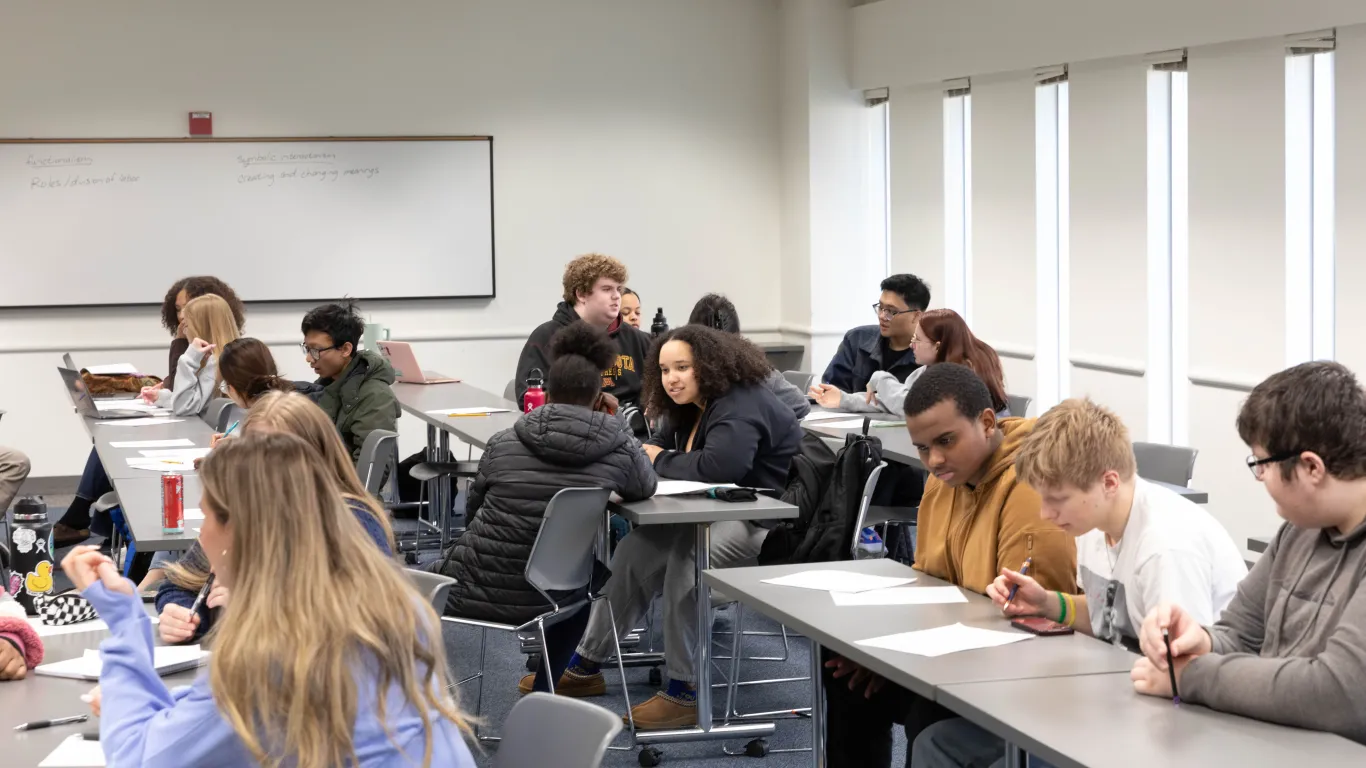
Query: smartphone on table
{"x": 1040, "y": 626}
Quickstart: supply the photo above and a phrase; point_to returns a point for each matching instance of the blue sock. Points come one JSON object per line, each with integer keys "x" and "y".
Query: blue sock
{"x": 581, "y": 666}
{"x": 681, "y": 690}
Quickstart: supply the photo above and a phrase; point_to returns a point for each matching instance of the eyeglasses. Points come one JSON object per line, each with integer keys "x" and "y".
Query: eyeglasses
{"x": 223, "y": 387}
{"x": 888, "y": 311}
{"x": 316, "y": 354}
{"x": 1258, "y": 466}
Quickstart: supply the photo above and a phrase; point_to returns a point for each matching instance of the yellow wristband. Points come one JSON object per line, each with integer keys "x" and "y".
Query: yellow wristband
{"x": 1071, "y": 610}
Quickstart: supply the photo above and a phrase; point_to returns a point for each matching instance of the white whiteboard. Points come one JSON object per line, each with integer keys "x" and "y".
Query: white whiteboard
{"x": 279, "y": 220}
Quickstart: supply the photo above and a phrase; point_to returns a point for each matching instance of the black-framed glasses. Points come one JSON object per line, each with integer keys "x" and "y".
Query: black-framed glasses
{"x": 888, "y": 311}
{"x": 316, "y": 354}
{"x": 1258, "y": 466}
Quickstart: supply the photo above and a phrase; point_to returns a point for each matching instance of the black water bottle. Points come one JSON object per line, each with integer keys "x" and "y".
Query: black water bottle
{"x": 660, "y": 326}
{"x": 31, "y": 567}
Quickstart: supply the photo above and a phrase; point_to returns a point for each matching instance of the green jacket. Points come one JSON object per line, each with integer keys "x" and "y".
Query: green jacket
{"x": 359, "y": 401}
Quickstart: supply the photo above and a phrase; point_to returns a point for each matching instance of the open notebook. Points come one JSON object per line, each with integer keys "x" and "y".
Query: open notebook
{"x": 169, "y": 659}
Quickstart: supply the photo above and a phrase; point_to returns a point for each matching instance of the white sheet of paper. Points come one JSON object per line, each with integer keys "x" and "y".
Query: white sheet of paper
{"x": 466, "y": 411}
{"x": 944, "y": 640}
{"x": 839, "y": 581}
{"x": 90, "y": 664}
{"x": 178, "y": 453}
{"x": 681, "y": 487}
{"x": 162, "y": 465}
{"x": 825, "y": 415}
{"x": 123, "y": 405}
{"x": 194, "y": 514}
{"x": 94, "y": 625}
{"x": 901, "y": 596}
{"x": 138, "y": 422}
{"x": 153, "y": 443}
{"x": 74, "y": 752}
{"x": 117, "y": 369}
{"x": 857, "y": 423}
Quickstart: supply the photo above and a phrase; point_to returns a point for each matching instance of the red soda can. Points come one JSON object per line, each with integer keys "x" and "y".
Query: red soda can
{"x": 173, "y": 502}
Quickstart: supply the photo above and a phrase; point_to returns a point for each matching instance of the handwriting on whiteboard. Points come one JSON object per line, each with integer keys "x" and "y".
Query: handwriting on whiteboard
{"x": 36, "y": 161}
{"x": 82, "y": 180}
{"x": 269, "y": 178}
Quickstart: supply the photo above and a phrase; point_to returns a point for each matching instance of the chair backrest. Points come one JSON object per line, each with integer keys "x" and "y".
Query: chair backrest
{"x": 380, "y": 451}
{"x": 510, "y": 391}
{"x": 863, "y": 505}
{"x": 1018, "y": 404}
{"x": 798, "y": 379}
{"x": 213, "y": 410}
{"x": 232, "y": 414}
{"x": 433, "y": 585}
{"x": 578, "y": 733}
{"x": 562, "y": 557}
{"x": 1173, "y": 464}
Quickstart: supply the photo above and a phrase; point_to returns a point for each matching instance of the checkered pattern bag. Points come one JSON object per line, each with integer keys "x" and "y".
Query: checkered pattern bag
{"x": 63, "y": 609}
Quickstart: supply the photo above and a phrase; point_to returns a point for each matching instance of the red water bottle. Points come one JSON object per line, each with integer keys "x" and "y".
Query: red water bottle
{"x": 535, "y": 395}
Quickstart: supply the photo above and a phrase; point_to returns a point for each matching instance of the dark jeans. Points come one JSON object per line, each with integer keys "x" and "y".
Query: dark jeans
{"x": 561, "y": 639}
{"x": 94, "y": 484}
{"x": 858, "y": 730}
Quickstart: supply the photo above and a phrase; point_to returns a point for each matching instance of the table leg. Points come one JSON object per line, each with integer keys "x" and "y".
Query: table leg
{"x": 1016, "y": 757}
{"x": 817, "y": 707}
{"x": 447, "y": 498}
{"x": 703, "y": 653}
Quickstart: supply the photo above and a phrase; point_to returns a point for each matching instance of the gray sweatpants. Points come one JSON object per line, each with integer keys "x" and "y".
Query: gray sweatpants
{"x": 658, "y": 559}
{"x": 14, "y": 468}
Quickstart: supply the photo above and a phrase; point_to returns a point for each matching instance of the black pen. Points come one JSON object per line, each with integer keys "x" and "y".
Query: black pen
{"x": 36, "y": 724}
{"x": 1171, "y": 666}
{"x": 203, "y": 593}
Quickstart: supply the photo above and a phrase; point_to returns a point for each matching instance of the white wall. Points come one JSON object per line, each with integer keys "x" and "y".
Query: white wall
{"x": 646, "y": 129}
{"x": 904, "y": 42}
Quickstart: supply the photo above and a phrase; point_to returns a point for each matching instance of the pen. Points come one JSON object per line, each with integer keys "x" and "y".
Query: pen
{"x": 203, "y": 593}
{"x": 36, "y": 724}
{"x": 231, "y": 428}
{"x": 1024, "y": 571}
{"x": 1171, "y": 666}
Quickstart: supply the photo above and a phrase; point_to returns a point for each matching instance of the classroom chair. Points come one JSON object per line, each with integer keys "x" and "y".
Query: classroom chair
{"x": 427, "y": 473}
{"x": 213, "y": 410}
{"x": 576, "y": 731}
{"x": 510, "y": 391}
{"x": 562, "y": 559}
{"x": 1172, "y": 464}
{"x": 799, "y": 379}
{"x": 231, "y": 414}
{"x": 1018, "y": 404}
{"x": 379, "y": 462}
{"x": 434, "y": 586}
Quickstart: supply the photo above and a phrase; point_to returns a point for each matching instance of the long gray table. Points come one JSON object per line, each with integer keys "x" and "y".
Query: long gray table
{"x": 418, "y": 399}
{"x": 701, "y": 512}
{"x": 140, "y": 499}
{"x": 37, "y": 697}
{"x": 1098, "y": 721}
{"x": 115, "y": 460}
{"x": 897, "y": 446}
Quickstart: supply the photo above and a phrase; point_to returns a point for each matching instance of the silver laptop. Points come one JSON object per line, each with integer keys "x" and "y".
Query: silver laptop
{"x": 85, "y": 406}
{"x": 69, "y": 363}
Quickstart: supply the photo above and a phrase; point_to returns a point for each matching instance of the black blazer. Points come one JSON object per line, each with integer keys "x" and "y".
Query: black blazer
{"x": 747, "y": 437}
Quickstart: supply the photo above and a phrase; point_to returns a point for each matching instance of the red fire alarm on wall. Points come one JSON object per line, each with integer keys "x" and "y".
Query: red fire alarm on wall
{"x": 201, "y": 123}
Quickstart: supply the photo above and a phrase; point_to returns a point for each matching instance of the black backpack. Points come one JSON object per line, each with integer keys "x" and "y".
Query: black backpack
{"x": 827, "y": 489}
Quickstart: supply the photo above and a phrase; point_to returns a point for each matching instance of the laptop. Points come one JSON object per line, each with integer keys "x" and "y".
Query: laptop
{"x": 80, "y": 397}
{"x": 406, "y": 370}
{"x": 69, "y": 363}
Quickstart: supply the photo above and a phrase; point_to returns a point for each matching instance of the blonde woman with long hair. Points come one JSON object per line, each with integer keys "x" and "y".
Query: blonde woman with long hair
{"x": 272, "y": 412}
{"x": 209, "y": 324}
{"x": 326, "y": 655}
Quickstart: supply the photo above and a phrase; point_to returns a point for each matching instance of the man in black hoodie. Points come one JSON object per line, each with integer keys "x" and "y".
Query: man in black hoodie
{"x": 592, "y": 293}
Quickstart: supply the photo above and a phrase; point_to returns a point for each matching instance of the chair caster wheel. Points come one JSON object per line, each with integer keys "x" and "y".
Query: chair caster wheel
{"x": 757, "y": 748}
{"x": 649, "y": 757}
{"x": 533, "y": 662}
{"x": 656, "y": 679}
{"x": 410, "y": 558}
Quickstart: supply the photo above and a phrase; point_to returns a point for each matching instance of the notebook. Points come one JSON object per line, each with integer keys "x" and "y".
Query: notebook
{"x": 169, "y": 659}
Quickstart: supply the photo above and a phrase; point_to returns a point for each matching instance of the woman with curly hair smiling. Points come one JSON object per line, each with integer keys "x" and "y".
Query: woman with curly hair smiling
{"x": 177, "y": 296}
{"x": 726, "y": 426}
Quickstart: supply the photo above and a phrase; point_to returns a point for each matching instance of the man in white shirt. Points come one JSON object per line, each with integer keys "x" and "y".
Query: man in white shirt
{"x": 1139, "y": 545}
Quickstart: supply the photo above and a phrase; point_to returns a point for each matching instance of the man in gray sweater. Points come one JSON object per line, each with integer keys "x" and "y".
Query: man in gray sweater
{"x": 1291, "y": 646}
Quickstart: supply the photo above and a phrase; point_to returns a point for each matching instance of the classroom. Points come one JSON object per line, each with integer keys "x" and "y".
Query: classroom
{"x": 544, "y": 361}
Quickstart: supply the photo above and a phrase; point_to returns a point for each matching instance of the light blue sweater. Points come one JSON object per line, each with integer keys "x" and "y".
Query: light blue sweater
{"x": 142, "y": 723}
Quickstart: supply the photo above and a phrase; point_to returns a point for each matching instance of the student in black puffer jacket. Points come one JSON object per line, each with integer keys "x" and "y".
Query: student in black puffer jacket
{"x": 563, "y": 444}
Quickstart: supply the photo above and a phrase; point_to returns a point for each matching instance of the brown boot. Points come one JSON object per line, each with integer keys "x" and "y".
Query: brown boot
{"x": 663, "y": 711}
{"x": 570, "y": 684}
{"x": 64, "y": 535}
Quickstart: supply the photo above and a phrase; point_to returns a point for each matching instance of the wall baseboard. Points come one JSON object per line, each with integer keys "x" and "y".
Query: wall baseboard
{"x": 55, "y": 485}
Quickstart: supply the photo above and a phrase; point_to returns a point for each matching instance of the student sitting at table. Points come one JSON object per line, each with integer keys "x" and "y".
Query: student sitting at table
{"x": 210, "y": 325}
{"x": 21, "y": 648}
{"x": 717, "y": 311}
{"x": 940, "y": 336}
{"x": 353, "y": 384}
{"x": 976, "y": 518}
{"x": 180, "y": 294}
{"x": 273, "y": 411}
{"x": 563, "y": 444}
{"x": 1291, "y": 646}
{"x": 726, "y": 427}
{"x": 630, "y": 307}
{"x": 885, "y": 346}
{"x": 1139, "y": 545}
{"x": 325, "y": 656}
